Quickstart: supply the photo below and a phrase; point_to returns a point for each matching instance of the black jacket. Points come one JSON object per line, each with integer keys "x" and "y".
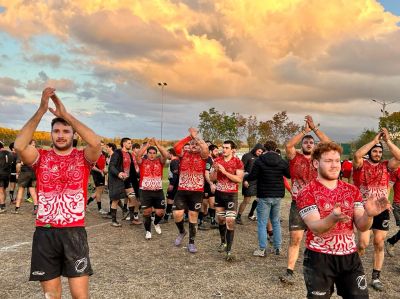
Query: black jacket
{"x": 269, "y": 170}
{"x": 249, "y": 158}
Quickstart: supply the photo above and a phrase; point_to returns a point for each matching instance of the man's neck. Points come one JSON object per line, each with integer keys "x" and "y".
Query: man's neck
{"x": 63, "y": 152}
{"x": 330, "y": 184}
{"x": 227, "y": 158}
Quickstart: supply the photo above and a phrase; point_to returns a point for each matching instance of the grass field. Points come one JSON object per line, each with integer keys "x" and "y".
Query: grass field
{"x": 127, "y": 266}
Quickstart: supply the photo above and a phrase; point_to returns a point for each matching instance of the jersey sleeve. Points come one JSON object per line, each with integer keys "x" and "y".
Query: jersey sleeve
{"x": 305, "y": 202}
{"x": 209, "y": 164}
{"x": 180, "y": 144}
{"x": 358, "y": 201}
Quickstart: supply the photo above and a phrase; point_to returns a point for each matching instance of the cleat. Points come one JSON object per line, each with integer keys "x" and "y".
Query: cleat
{"x": 148, "y": 235}
{"x": 192, "y": 248}
{"x": 287, "y": 278}
{"x": 179, "y": 239}
{"x": 377, "y": 285}
{"x": 222, "y": 247}
{"x": 3, "y": 210}
{"x": 239, "y": 221}
{"x": 277, "y": 251}
{"x": 29, "y": 199}
{"x": 389, "y": 249}
{"x": 214, "y": 225}
{"x": 229, "y": 257}
{"x": 253, "y": 218}
{"x": 157, "y": 228}
{"x": 116, "y": 224}
{"x": 259, "y": 252}
{"x": 103, "y": 212}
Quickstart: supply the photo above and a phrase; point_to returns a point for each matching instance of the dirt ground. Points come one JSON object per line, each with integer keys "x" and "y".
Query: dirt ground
{"x": 128, "y": 266}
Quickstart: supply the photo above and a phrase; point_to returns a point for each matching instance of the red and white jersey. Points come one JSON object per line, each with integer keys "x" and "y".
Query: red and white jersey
{"x": 302, "y": 171}
{"x": 191, "y": 172}
{"x": 373, "y": 179}
{"x": 126, "y": 162}
{"x": 395, "y": 180}
{"x": 101, "y": 162}
{"x": 224, "y": 184}
{"x": 151, "y": 172}
{"x": 315, "y": 197}
{"x": 62, "y": 188}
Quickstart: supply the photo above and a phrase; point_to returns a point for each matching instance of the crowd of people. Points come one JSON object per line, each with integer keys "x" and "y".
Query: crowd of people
{"x": 203, "y": 181}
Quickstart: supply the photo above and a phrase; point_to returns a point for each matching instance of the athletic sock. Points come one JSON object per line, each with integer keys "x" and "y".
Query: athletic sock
{"x": 229, "y": 239}
{"x": 211, "y": 212}
{"x": 147, "y": 223}
{"x": 192, "y": 232}
{"x": 201, "y": 216}
{"x": 12, "y": 194}
{"x": 393, "y": 240}
{"x": 157, "y": 219}
{"x": 113, "y": 214}
{"x": 253, "y": 208}
{"x": 376, "y": 274}
{"x": 16, "y": 208}
{"x": 90, "y": 200}
{"x": 120, "y": 205}
{"x": 99, "y": 205}
{"x": 180, "y": 227}
{"x": 238, "y": 216}
{"x": 222, "y": 232}
{"x": 289, "y": 271}
{"x": 125, "y": 207}
{"x": 169, "y": 208}
{"x": 132, "y": 212}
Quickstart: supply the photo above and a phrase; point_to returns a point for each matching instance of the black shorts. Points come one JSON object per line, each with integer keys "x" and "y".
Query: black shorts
{"x": 251, "y": 190}
{"x": 13, "y": 178}
{"x": 207, "y": 191}
{"x": 98, "y": 179}
{"x": 226, "y": 200}
{"x": 323, "y": 271}
{"x": 381, "y": 221}
{"x": 188, "y": 200}
{"x": 59, "y": 251}
{"x": 4, "y": 180}
{"x": 26, "y": 179}
{"x": 153, "y": 199}
{"x": 295, "y": 220}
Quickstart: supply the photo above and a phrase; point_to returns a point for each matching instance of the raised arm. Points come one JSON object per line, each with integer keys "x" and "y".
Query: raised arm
{"x": 321, "y": 135}
{"x": 93, "y": 148}
{"x": 164, "y": 153}
{"x": 362, "y": 151}
{"x": 394, "y": 163}
{"x": 180, "y": 144}
{"x": 141, "y": 152}
{"x": 203, "y": 145}
{"x": 290, "y": 146}
{"x": 28, "y": 153}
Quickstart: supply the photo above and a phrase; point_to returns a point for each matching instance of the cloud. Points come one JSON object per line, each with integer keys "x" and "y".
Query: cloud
{"x": 8, "y": 86}
{"x": 52, "y": 60}
{"x": 43, "y": 81}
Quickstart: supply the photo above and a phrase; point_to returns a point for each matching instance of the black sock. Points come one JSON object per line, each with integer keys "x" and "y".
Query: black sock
{"x": 169, "y": 208}
{"x": 212, "y": 215}
{"x": 229, "y": 239}
{"x": 125, "y": 207}
{"x": 238, "y": 216}
{"x": 201, "y": 216}
{"x": 253, "y": 208}
{"x": 131, "y": 212}
{"x": 393, "y": 240}
{"x": 2, "y": 205}
{"x": 90, "y": 200}
{"x": 289, "y": 271}
{"x": 113, "y": 214}
{"x": 180, "y": 227}
{"x": 12, "y": 194}
{"x": 192, "y": 232}
{"x": 147, "y": 223}
{"x": 376, "y": 274}
{"x": 222, "y": 232}
{"x": 16, "y": 208}
{"x": 120, "y": 205}
{"x": 157, "y": 219}
{"x": 99, "y": 205}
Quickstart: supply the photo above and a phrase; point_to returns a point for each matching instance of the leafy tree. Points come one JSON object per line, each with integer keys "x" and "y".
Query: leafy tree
{"x": 365, "y": 137}
{"x": 392, "y": 123}
{"x": 251, "y": 130}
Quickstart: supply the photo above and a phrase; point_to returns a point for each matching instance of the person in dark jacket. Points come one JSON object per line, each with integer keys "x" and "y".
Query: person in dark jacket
{"x": 269, "y": 170}
{"x": 249, "y": 188}
{"x": 123, "y": 181}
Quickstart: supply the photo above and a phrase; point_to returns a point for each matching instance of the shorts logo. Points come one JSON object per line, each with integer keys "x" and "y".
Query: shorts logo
{"x": 385, "y": 223}
{"x": 38, "y": 273}
{"x": 163, "y": 202}
{"x": 318, "y": 293}
{"x": 80, "y": 265}
{"x": 361, "y": 282}
{"x": 230, "y": 205}
{"x": 197, "y": 206}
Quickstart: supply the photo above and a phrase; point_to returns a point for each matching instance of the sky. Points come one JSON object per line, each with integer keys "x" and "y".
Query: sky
{"x": 106, "y": 58}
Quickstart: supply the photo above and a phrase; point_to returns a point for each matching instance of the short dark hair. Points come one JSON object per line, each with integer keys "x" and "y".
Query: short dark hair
{"x": 1, "y": 144}
{"x": 136, "y": 145}
{"x": 212, "y": 147}
{"x": 60, "y": 120}
{"x": 112, "y": 145}
{"x": 172, "y": 151}
{"x": 74, "y": 142}
{"x": 151, "y": 148}
{"x": 270, "y": 145}
{"x": 307, "y": 137}
{"x": 123, "y": 140}
{"x": 11, "y": 146}
{"x": 233, "y": 145}
{"x": 324, "y": 147}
